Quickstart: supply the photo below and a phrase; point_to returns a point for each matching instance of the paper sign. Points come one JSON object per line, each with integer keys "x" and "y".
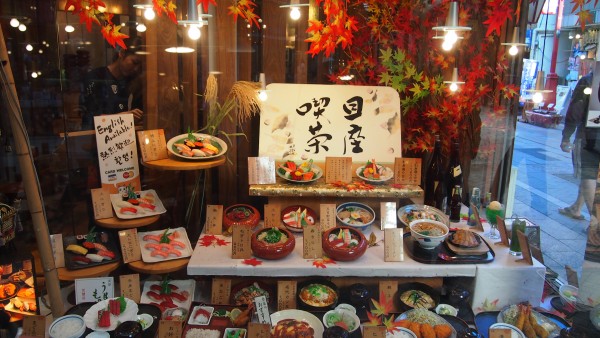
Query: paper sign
{"x": 153, "y": 144}
{"x": 389, "y": 218}
{"x": 261, "y": 170}
{"x": 58, "y": 250}
{"x": 34, "y": 326}
{"x": 389, "y": 290}
{"x": 214, "y": 219}
{"x": 313, "y": 247}
{"x": 525, "y": 250}
{"x": 476, "y": 218}
{"x": 502, "y": 230}
{"x": 117, "y": 152}
{"x": 240, "y": 242}
{"x": 572, "y": 278}
{"x": 327, "y": 216}
{"x": 101, "y": 203}
{"x": 286, "y": 294}
{"x": 338, "y": 169}
{"x": 257, "y": 330}
{"x": 500, "y": 333}
{"x": 169, "y": 329}
{"x": 130, "y": 286}
{"x": 374, "y": 331}
{"x": 130, "y": 245}
{"x": 407, "y": 171}
{"x": 393, "y": 245}
{"x": 94, "y": 289}
{"x": 221, "y": 288}
{"x": 273, "y": 216}
{"x": 262, "y": 309}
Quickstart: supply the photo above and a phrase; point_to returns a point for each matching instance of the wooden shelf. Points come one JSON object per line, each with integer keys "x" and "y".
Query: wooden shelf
{"x": 173, "y": 163}
{"x": 117, "y": 223}
{"x": 159, "y": 267}
{"x": 95, "y": 271}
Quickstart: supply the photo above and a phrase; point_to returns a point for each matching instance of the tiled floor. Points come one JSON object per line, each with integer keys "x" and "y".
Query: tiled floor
{"x": 545, "y": 183}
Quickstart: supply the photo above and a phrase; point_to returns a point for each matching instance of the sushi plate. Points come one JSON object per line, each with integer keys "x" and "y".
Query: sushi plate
{"x": 102, "y": 238}
{"x": 184, "y": 290}
{"x": 180, "y": 139}
{"x": 150, "y": 205}
{"x": 150, "y": 251}
{"x": 91, "y": 315}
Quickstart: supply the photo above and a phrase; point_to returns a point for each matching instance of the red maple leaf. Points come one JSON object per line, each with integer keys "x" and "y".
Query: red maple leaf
{"x": 252, "y": 261}
{"x": 113, "y": 36}
{"x": 212, "y": 240}
{"x": 498, "y": 13}
{"x": 205, "y": 4}
{"x": 322, "y": 262}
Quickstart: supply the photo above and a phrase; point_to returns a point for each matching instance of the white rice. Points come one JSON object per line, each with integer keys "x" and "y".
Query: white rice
{"x": 203, "y": 333}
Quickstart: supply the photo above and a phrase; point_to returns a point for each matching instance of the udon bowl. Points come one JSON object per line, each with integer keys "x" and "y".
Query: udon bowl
{"x": 428, "y": 233}
{"x": 355, "y": 215}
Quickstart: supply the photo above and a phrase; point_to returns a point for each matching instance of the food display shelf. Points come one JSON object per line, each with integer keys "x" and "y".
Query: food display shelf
{"x": 159, "y": 267}
{"x": 117, "y": 223}
{"x": 180, "y": 164}
{"x": 95, "y": 271}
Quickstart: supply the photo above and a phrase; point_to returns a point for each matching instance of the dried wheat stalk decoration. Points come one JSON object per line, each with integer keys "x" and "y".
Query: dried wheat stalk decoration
{"x": 246, "y": 97}
{"x": 212, "y": 89}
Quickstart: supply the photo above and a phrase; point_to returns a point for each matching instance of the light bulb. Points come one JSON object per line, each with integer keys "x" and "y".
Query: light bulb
{"x": 262, "y": 95}
{"x": 513, "y": 50}
{"x": 69, "y": 29}
{"x": 582, "y": 56}
{"x": 577, "y": 36}
{"x": 570, "y": 37}
{"x": 587, "y": 91}
{"x": 537, "y": 97}
{"x": 140, "y": 28}
{"x": 194, "y": 32}
{"x": 34, "y": 75}
{"x": 447, "y": 45}
{"x": 149, "y": 14}
{"x": 40, "y": 51}
{"x": 22, "y": 27}
{"x": 453, "y": 87}
{"x": 451, "y": 36}
{"x": 295, "y": 13}
{"x": 29, "y": 47}
{"x": 14, "y": 22}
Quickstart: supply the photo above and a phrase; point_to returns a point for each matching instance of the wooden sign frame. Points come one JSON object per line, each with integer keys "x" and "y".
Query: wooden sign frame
{"x": 525, "y": 249}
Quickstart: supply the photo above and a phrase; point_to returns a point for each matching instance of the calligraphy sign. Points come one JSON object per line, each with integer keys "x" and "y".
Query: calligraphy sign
{"x": 153, "y": 144}
{"x": 315, "y": 121}
{"x": 94, "y": 289}
{"x": 130, "y": 286}
{"x": 101, "y": 203}
{"x": 34, "y": 326}
{"x": 407, "y": 171}
{"x": 286, "y": 294}
{"x": 117, "y": 152}
{"x": 130, "y": 245}
{"x": 261, "y": 170}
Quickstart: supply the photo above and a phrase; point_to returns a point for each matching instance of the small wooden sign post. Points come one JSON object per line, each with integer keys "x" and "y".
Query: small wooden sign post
{"x": 261, "y": 170}
{"x": 338, "y": 169}
{"x": 214, "y": 219}
{"x": 502, "y": 230}
{"x": 272, "y": 216}
{"x": 286, "y": 294}
{"x": 525, "y": 249}
{"x": 407, "y": 171}
{"x": 327, "y": 216}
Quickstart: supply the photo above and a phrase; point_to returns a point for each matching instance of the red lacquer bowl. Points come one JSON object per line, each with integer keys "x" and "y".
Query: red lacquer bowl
{"x": 337, "y": 246}
{"x": 240, "y": 214}
{"x": 262, "y": 249}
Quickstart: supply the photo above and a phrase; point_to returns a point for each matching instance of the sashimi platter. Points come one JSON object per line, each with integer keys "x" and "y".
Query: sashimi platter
{"x": 162, "y": 245}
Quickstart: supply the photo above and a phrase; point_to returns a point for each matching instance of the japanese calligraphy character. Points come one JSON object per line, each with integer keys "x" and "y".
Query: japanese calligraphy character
{"x": 353, "y": 108}
{"x": 316, "y": 143}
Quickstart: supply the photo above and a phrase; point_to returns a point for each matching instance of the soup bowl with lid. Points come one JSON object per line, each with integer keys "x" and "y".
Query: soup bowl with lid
{"x": 428, "y": 233}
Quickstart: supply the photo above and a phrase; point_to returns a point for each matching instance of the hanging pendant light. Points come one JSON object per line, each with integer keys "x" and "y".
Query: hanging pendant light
{"x": 453, "y": 83}
{"x": 539, "y": 91}
{"x": 294, "y": 7}
{"x": 148, "y": 7}
{"x": 262, "y": 93}
{"x": 195, "y": 20}
{"x": 451, "y": 28}
{"x": 514, "y": 44}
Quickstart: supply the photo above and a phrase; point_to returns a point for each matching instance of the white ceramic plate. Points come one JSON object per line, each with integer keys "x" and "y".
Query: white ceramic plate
{"x": 197, "y": 321}
{"x": 187, "y": 285}
{"x": 386, "y": 174}
{"x": 300, "y": 315}
{"x": 145, "y": 320}
{"x": 117, "y": 202}
{"x": 91, "y": 315}
{"x": 423, "y": 316}
{"x": 215, "y": 141}
{"x": 286, "y": 176}
{"x": 549, "y": 325}
{"x": 147, "y": 257}
{"x": 400, "y": 332}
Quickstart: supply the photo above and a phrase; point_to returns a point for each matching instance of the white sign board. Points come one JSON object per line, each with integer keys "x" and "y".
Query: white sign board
{"x": 117, "y": 152}
{"x": 94, "y": 289}
{"x": 303, "y": 121}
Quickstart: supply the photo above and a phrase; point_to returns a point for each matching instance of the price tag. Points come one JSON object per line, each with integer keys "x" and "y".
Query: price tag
{"x": 389, "y": 218}
{"x": 338, "y": 169}
{"x": 313, "y": 247}
{"x": 130, "y": 245}
{"x": 94, "y": 289}
{"x": 389, "y": 290}
{"x": 261, "y": 170}
{"x": 130, "y": 286}
{"x": 273, "y": 216}
{"x": 286, "y": 294}
{"x": 477, "y": 218}
{"x": 221, "y": 288}
{"x": 525, "y": 249}
{"x": 374, "y": 332}
{"x": 499, "y": 333}
{"x": 257, "y": 330}
{"x": 214, "y": 219}
{"x": 327, "y": 216}
{"x": 153, "y": 144}
{"x": 101, "y": 203}
{"x": 58, "y": 250}
{"x": 407, "y": 171}
{"x": 262, "y": 309}
{"x": 502, "y": 230}
{"x": 393, "y": 245}
{"x": 169, "y": 329}
{"x": 240, "y": 242}
{"x": 34, "y": 326}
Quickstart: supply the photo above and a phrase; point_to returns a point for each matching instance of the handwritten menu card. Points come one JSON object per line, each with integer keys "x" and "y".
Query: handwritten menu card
{"x": 502, "y": 230}
{"x": 374, "y": 332}
{"x": 389, "y": 289}
{"x": 34, "y": 326}
{"x": 312, "y": 242}
{"x": 286, "y": 294}
{"x": 58, "y": 251}
{"x": 130, "y": 286}
{"x": 327, "y": 217}
{"x": 338, "y": 169}
{"x": 221, "y": 289}
{"x": 101, "y": 203}
{"x": 525, "y": 249}
{"x": 407, "y": 171}
{"x": 153, "y": 144}
{"x": 261, "y": 307}
{"x": 257, "y": 330}
{"x": 240, "y": 242}
{"x": 94, "y": 289}
{"x": 393, "y": 245}
{"x": 272, "y": 216}
{"x": 261, "y": 170}
{"x": 389, "y": 218}
{"x": 498, "y": 332}
{"x": 130, "y": 245}
{"x": 214, "y": 219}
{"x": 117, "y": 152}
{"x": 169, "y": 329}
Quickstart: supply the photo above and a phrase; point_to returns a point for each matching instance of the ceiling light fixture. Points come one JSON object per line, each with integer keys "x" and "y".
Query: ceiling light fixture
{"x": 179, "y": 50}
{"x": 140, "y": 27}
{"x": 195, "y": 20}
{"x": 451, "y": 28}
{"x": 148, "y": 9}
{"x": 22, "y": 27}
{"x": 454, "y": 81}
{"x": 539, "y": 91}
{"x": 262, "y": 93}
{"x": 14, "y": 22}
{"x": 294, "y": 7}
{"x": 514, "y": 44}
{"x": 69, "y": 29}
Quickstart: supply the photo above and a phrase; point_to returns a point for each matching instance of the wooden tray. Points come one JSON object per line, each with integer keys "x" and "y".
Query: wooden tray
{"x": 416, "y": 252}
